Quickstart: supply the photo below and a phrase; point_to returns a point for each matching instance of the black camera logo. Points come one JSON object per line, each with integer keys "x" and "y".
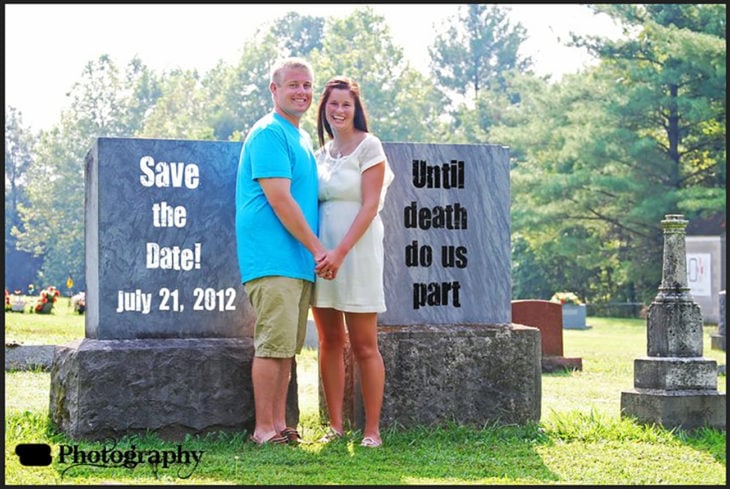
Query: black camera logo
{"x": 34, "y": 454}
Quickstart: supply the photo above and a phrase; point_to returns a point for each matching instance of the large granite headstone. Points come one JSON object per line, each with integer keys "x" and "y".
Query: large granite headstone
{"x": 450, "y": 350}
{"x": 718, "y": 338}
{"x": 168, "y": 326}
{"x": 706, "y": 273}
{"x": 159, "y": 233}
{"x": 447, "y": 222}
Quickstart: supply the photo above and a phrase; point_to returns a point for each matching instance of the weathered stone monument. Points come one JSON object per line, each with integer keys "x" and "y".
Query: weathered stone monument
{"x": 675, "y": 386}
{"x": 168, "y": 326}
{"x": 450, "y": 350}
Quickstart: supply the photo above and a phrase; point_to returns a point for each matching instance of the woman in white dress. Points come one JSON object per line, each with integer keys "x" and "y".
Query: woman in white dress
{"x": 353, "y": 178}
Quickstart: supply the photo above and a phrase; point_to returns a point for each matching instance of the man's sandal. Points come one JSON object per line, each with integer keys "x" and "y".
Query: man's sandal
{"x": 292, "y": 436}
{"x": 370, "y": 442}
{"x": 273, "y": 440}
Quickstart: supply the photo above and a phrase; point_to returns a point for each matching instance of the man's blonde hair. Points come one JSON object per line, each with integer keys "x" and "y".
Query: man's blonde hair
{"x": 287, "y": 63}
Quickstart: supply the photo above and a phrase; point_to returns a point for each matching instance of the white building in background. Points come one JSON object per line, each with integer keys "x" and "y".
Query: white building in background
{"x": 706, "y": 263}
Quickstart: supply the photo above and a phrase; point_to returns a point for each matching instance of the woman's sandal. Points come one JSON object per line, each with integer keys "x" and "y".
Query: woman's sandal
{"x": 330, "y": 436}
{"x": 273, "y": 440}
{"x": 370, "y": 442}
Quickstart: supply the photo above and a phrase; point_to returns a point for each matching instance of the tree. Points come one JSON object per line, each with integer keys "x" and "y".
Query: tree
{"x": 20, "y": 266}
{"x": 674, "y": 78}
{"x": 181, "y": 111}
{"x": 238, "y": 95}
{"x": 141, "y": 91}
{"x": 477, "y": 50}
{"x": 475, "y": 59}
{"x": 559, "y": 234}
{"x": 298, "y": 35}
{"x": 605, "y": 154}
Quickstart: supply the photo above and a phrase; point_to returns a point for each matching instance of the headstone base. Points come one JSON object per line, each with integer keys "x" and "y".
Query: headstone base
{"x": 468, "y": 374}
{"x": 172, "y": 387}
{"x": 28, "y": 357}
{"x": 688, "y": 410}
{"x": 557, "y": 364}
{"x": 675, "y": 373}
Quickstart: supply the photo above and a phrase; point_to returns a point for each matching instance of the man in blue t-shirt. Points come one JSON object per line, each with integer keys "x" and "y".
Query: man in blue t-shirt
{"x": 277, "y": 244}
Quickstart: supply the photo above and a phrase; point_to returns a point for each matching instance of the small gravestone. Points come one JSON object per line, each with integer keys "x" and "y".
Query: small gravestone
{"x": 574, "y": 316}
{"x": 548, "y": 318}
{"x": 674, "y": 386}
{"x": 718, "y": 339}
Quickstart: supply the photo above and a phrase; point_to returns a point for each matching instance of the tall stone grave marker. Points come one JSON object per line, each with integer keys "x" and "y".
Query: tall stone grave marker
{"x": 158, "y": 238}
{"x": 447, "y": 222}
{"x": 168, "y": 326}
{"x": 448, "y": 344}
{"x": 675, "y": 386}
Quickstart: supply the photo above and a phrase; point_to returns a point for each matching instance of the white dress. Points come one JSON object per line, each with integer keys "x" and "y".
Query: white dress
{"x": 358, "y": 286}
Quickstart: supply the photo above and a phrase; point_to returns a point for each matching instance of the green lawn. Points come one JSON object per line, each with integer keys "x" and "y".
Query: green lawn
{"x": 581, "y": 438}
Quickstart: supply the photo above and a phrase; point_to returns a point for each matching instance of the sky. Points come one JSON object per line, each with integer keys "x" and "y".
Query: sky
{"x": 48, "y": 45}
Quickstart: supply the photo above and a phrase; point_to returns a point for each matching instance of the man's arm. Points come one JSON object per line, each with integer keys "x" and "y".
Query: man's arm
{"x": 278, "y": 193}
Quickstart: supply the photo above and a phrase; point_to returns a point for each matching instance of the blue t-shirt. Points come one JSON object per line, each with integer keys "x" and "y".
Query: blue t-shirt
{"x": 274, "y": 148}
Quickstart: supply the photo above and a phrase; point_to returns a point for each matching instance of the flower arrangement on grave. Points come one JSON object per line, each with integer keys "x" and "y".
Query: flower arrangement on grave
{"x": 565, "y": 298}
{"x": 47, "y": 298}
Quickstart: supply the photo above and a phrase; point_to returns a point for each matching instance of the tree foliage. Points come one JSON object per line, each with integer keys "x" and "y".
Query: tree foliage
{"x": 297, "y": 34}
{"x": 20, "y": 266}
{"x": 617, "y": 148}
{"x": 475, "y": 59}
{"x": 180, "y": 112}
{"x": 475, "y": 52}
{"x": 598, "y": 157}
{"x": 674, "y": 76}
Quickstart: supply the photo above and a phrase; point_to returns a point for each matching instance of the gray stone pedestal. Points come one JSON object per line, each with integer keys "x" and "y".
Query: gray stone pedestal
{"x": 468, "y": 374}
{"x": 676, "y": 392}
{"x": 173, "y": 387}
{"x": 686, "y": 409}
{"x": 472, "y": 375}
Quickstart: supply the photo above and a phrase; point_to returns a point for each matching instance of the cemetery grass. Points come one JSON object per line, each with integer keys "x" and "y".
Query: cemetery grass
{"x": 581, "y": 438}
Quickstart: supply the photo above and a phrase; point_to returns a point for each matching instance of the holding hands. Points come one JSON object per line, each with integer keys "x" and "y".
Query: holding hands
{"x": 327, "y": 264}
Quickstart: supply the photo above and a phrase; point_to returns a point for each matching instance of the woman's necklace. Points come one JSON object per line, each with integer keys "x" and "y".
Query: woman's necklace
{"x": 345, "y": 148}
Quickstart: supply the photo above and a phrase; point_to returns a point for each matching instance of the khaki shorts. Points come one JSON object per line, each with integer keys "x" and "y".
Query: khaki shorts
{"x": 281, "y": 305}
